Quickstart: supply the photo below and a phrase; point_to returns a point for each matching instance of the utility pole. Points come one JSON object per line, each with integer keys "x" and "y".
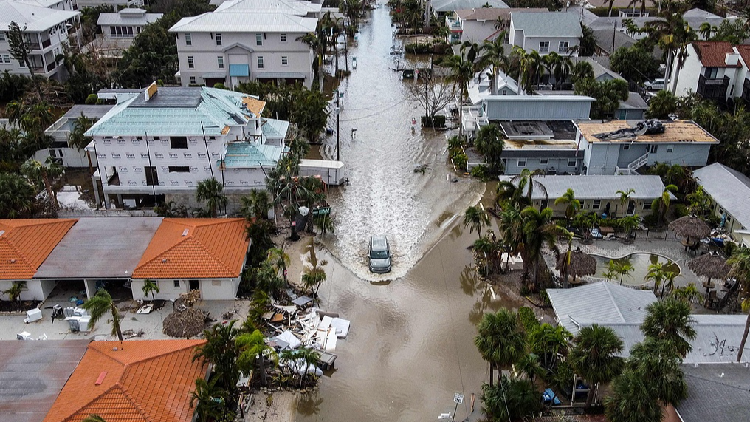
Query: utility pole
{"x": 338, "y": 125}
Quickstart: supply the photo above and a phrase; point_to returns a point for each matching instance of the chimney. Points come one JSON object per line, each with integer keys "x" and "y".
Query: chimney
{"x": 151, "y": 90}
{"x": 732, "y": 58}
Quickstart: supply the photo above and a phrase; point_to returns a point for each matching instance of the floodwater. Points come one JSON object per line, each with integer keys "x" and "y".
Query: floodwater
{"x": 640, "y": 263}
{"x": 411, "y": 343}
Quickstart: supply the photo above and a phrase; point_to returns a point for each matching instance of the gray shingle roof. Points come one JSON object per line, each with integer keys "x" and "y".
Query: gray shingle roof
{"x": 599, "y": 186}
{"x": 128, "y": 17}
{"x": 730, "y": 188}
{"x": 716, "y": 393}
{"x": 599, "y": 303}
{"x": 547, "y": 24}
{"x": 245, "y": 21}
{"x": 452, "y": 5}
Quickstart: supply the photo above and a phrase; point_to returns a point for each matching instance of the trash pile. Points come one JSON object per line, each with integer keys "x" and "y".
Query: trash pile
{"x": 184, "y": 324}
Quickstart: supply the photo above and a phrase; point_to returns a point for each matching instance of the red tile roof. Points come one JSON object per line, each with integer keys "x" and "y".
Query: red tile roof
{"x": 141, "y": 381}
{"x": 25, "y": 244}
{"x": 744, "y": 50}
{"x": 713, "y": 53}
{"x": 195, "y": 248}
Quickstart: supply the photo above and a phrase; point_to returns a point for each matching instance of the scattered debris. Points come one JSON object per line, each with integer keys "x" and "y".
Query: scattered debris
{"x": 185, "y": 324}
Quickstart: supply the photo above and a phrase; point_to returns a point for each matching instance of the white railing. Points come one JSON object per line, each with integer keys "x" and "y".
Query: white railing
{"x": 638, "y": 162}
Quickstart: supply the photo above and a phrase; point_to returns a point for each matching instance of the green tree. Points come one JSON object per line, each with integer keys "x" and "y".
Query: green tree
{"x": 623, "y": 268}
{"x": 608, "y": 95}
{"x": 634, "y": 63}
{"x": 500, "y": 340}
{"x": 699, "y": 202}
{"x": 221, "y": 351}
{"x": 253, "y": 351}
{"x": 490, "y": 144}
{"x": 587, "y": 41}
{"x": 493, "y": 56}
{"x": 595, "y": 356}
{"x": 740, "y": 262}
{"x": 632, "y": 399}
{"x": 662, "y": 105}
{"x": 669, "y": 320}
{"x": 547, "y": 342}
{"x": 511, "y": 399}
{"x": 538, "y": 230}
{"x": 210, "y": 191}
{"x": 308, "y": 356}
{"x": 211, "y": 401}
{"x": 18, "y": 43}
{"x": 43, "y": 174}
{"x": 16, "y": 195}
{"x": 150, "y": 287}
{"x": 315, "y": 274}
{"x": 572, "y": 205}
{"x": 77, "y": 137}
{"x": 582, "y": 71}
{"x": 15, "y": 290}
{"x": 657, "y": 361}
{"x": 99, "y": 305}
{"x": 255, "y": 205}
{"x": 474, "y": 218}
{"x": 660, "y": 206}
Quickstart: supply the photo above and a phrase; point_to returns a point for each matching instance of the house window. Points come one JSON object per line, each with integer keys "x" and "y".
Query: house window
{"x": 179, "y": 142}
{"x": 652, "y": 149}
{"x": 563, "y": 48}
{"x": 192, "y": 80}
{"x": 669, "y": 149}
{"x": 712, "y": 72}
{"x": 572, "y": 163}
{"x": 191, "y": 62}
{"x": 2, "y": 36}
{"x": 179, "y": 169}
{"x": 112, "y": 31}
{"x": 260, "y": 62}
{"x": 188, "y": 39}
{"x": 6, "y": 58}
{"x": 218, "y": 39}
{"x": 283, "y": 37}
{"x": 543, "y": 161}
{"x": 284, "y": 61}
{"x": 626, "y": 146}
{"x": 220, "y": 60}
{"x": 176, "y": 284}
{"x": 597, "y": 204}
{"x": 544, "y": 46}
{"x": 258, "y": 39}
{"x": 647, "y": 205}
{"x": 521, "y": 163}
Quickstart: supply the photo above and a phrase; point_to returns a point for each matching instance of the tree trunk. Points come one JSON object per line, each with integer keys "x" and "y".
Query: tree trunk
{"x": 262, "y": 365}
{"x": 491, "y": 372}
{"x": 744, "y": 338}
{"x": 50, "y": 192}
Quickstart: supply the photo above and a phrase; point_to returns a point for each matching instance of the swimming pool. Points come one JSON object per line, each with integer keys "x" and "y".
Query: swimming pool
{"x": 640, "y": 262}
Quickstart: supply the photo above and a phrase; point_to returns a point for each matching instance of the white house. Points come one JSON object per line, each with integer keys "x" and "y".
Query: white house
{"x": 120, "y": 29}
{"x": 165, "y": 140}
{"x": 244, "y": 40}
{"x": 46, "y": 31}
{"x": 546, "y": 32}
{"x": 481, "y": 23}
{"x": 59, "y": 131}
{"x": 730, "y": 198}
{"x": 53, "y": 4}
{"x": 714, "y": 69}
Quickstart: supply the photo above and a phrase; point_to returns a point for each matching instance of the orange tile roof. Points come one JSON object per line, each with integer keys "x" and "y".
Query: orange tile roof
{"x": 141, "y": 381}
{"x": 744, "y": 50}
{"x": 195, "y": 248}
{"x": 713, "y": 53}
{"x": 25, "y": 244}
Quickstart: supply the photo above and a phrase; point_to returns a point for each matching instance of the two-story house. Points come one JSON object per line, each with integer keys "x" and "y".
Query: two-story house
{"x": 45, "y": 30}
{"x": 53, "y": 4}
{"x": 120, "y": 29}
{"x": 618, "y": 147}
{"x": 166, "y": 140}
{"x": 481, "y": 23}
{"x": 244, "y": 40}
{"x": 716, "y": 70}
{"x": 546, "y": 32}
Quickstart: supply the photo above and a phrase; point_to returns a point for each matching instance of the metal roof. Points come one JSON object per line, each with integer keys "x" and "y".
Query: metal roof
{"x": 538, "y": 107}
{"x": 451, "y": 5}
{"x": 294, "y": 7}
{"x": 251, "y": 155}
{"x": 92, "y": 111}
{"x": 599, "y": 303}
{"x": 547, "y": 24}
{"x": 716, "y": 393}
{"x": 729, "y": 188}
{"x": 245, "y": 21}
{"x": 599, "y": 186}
{"x": 128, "y": 17}
{"x": 275, "y": 129}
{"x": 33, "y": 18}
{"x": 175, "y": 111}
{"x": 32, "y": 374}
{"x": 105, "y": 247}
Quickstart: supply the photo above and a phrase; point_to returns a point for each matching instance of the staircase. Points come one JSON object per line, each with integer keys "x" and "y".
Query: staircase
{"x": 638, "y": 163}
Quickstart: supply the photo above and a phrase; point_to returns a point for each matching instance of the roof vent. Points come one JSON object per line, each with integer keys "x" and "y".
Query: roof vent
{"x": 100, "y": 380}
{"x": 185, "y": 232}
{"x": 13, "y": 260}
{"x": 151, "y": 91}
{"x": 164, "y": 260}
{"x": 2, "y": 232}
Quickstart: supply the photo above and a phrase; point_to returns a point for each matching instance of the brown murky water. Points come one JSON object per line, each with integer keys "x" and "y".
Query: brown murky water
{"x": 411, "y": 346}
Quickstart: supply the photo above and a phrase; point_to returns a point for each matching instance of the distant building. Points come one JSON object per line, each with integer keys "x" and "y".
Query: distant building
{"x": 59, "y": 149}
{"x": 615, "y": 147}
{"x": 716, "y": 70}
{"x": 244, "y": 40}
{"x": 46, "y": 31}
{"x": 442, "y": 8}
{"x": 730, "y": 195}
{"x": 120, "y": 29}
{"x": 480, "y": 24}
{"x": 546, "y": 32}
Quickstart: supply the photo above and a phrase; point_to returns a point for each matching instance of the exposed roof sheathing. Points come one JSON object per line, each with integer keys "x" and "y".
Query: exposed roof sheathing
{"x": 674, "y": 132}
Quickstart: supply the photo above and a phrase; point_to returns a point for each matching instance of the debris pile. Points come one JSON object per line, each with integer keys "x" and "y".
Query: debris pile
{"x": 184, "y": 324}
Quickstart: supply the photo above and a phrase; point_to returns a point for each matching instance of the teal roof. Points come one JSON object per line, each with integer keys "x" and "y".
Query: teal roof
{"x": 251, "y": 155}
{"x": 273, "y": 128}
{"x": 175, "y": 111}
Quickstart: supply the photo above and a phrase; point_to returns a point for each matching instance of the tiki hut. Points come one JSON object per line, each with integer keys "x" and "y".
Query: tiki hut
{"x": 581, "y": 264}
{"x": 711, "y": 266}
{"x": 690, "y": 227}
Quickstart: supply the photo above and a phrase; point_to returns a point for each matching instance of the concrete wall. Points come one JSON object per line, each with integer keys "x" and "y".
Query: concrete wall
{"x": 601, "y": 158}
{"x": 688, "y": 78}
{"x": 615, "y": 207}
{"x": 476, "y": 31}
{"x": 559, "y": 165}
{"x": 532, "y": 44}
{"x": 211, "y": 289}
{"x": 604, "y": 157}
{"x": 71, "y": 157}
{"x": 684, "y": 154}
{"x": 167, "y": 290}
{"x": 219, "y": 289}
{"x": 35, "y": 289}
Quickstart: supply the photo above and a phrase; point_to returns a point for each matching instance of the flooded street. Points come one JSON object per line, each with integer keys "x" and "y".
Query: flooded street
{"x": 411, "y": 345}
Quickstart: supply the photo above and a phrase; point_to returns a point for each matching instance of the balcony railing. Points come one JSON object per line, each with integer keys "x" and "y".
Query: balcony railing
{"x": 33, "y": 46}
{"x": 713, "y": 88}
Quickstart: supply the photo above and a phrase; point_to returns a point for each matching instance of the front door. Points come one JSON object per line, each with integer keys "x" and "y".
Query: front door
{"x": 631, "y": 207}
{"x": 195, "y": 285}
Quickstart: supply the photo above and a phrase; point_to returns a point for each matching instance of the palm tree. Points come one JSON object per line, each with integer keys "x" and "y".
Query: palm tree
{"x": 16, "y": 195}
{"x": 623, "y": 268}
{"x": 594, "y": 356}
{"x": 508, "y": 194}
{"x": 547, "y": 341}
{"x": 632, "y": 399}
{"x": 256, "y": 204}
{"x": 661, "y": 204}
{"x": 211, "y": 401}
{"x": 461, "y": 73}
{"x": 511, "y": 232}
{"x": 669, "y": 320}
{"x": 625, "y": 196}
{"x": 740, "y": 262}
{"x": 572, "y": 205}
{"x": 538, "y": 230}
{"x": 14, "y": 292}
{"x": 493, "y": 55}
{"x": 98, "y": 305}
{"x": 150, "y": 287}
{"x": 210, "y": 190}
{"x": 314, "y": 275}
{"x": 45, "y": 172}
{"x": 500, "y": 340}
{"x": 253, "y": 350}
{"x": 309, "y": 356}
{"x": 475, "y": 218}
{"x": 657, "y": 361}
{"x": 221, "y": 351}
{"x": 279, "y": 260}
{"x": 657, "y": 273}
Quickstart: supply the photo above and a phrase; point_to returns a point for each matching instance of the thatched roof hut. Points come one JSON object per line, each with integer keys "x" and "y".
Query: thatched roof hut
{"x": 581, "y": 264}
{"x": 690, "y": 227}
{"x": 711, "y": 266}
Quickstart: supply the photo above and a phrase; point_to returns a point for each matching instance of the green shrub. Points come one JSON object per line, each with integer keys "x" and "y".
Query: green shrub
{"x": 460, "y": 160}
{"x": 220, "y": 86}
{"x": 650, "y": 220}
{"x": 527, "y": 318}
{"x": 680, "y": 210}
{"x": 480, "y": 172}
{"x": 437, "y": 122}
{"x": 92, "y": 99}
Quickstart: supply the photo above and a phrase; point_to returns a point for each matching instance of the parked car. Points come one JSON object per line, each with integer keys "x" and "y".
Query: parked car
{"x": 380, "y": 255}
{"x": 655, "y": 85}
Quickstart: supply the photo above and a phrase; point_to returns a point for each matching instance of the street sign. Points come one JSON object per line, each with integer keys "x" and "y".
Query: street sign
{"x": 321, "y": 211}
{"x": 458, "y": 398}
